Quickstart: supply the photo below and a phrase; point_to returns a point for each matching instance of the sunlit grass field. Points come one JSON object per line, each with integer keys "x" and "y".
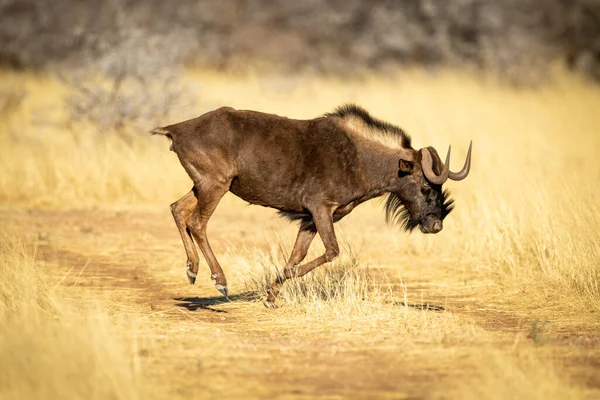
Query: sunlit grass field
{"x": 522, "y": 241}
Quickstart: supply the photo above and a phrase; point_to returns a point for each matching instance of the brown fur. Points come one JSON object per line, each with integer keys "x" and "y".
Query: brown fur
{"x": 314, "y": 170}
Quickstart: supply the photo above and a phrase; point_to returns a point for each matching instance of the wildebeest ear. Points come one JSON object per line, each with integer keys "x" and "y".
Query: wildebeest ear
{"x": 406, "y": 167}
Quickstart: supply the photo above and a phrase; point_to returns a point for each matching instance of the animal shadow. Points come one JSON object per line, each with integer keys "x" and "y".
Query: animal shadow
{"x": 205, "y": 303}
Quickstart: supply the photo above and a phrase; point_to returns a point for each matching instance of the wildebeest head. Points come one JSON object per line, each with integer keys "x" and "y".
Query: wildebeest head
{"x": 420, "y": 199}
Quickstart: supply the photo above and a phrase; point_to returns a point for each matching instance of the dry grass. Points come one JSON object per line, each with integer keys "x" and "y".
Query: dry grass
{"x": 517, "y": 375}
{"x": 53, "y": 348}
{"x": 523, "y": 242}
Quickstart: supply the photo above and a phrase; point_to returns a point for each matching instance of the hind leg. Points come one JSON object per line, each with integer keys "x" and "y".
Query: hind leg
{"x": 208, "y": 195}
{"x": 182, "y": 210}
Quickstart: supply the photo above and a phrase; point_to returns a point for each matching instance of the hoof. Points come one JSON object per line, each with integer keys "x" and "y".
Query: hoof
{"x": 270, "y": 304}
{"x": 222, "y": 289}
{"x": 191, "y": 276}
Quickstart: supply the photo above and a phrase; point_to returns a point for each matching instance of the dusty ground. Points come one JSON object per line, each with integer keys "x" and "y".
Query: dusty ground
{"x": 194, "y": 343}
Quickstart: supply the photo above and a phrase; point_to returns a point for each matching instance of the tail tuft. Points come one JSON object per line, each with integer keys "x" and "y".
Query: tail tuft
{"x": 160, "y": 131}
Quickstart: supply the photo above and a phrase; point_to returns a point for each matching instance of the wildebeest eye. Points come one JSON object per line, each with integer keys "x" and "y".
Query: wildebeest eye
{"x": 425, "y": 183}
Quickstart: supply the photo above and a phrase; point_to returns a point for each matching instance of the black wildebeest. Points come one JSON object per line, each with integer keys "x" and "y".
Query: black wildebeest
{"x": 315, "y": 171}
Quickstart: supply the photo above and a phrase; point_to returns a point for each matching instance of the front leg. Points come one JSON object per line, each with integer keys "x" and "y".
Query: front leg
{"x": 323, "y": 220}
{"x": 303, "y": 240}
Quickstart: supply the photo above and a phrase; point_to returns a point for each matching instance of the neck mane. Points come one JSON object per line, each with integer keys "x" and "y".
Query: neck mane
{"x": 360, "y": 123}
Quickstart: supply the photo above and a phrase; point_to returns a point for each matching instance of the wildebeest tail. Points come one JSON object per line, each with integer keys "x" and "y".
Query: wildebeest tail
{"x": 161, "y": 131}
{"x": 164, "y": 132}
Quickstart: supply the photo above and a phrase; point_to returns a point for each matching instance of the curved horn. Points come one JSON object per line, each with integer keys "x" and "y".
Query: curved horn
{"x": 427, "y": 163}
{"x": 459, "y": 176}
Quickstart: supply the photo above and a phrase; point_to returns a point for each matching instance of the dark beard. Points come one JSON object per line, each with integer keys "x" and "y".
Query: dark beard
{"x": 396, "y": 212}
{"x": 447, "y": 203}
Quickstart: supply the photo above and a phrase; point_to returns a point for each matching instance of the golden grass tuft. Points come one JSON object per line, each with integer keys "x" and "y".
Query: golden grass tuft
{"x": 345, "y": 282}
{"x": 53, "y": 349}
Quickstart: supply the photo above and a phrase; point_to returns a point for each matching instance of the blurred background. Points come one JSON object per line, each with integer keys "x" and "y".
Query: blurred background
{"x": 514, "y": 38}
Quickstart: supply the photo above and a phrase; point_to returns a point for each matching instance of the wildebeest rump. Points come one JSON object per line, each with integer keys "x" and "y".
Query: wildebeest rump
{"x": 315, "y": 171}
